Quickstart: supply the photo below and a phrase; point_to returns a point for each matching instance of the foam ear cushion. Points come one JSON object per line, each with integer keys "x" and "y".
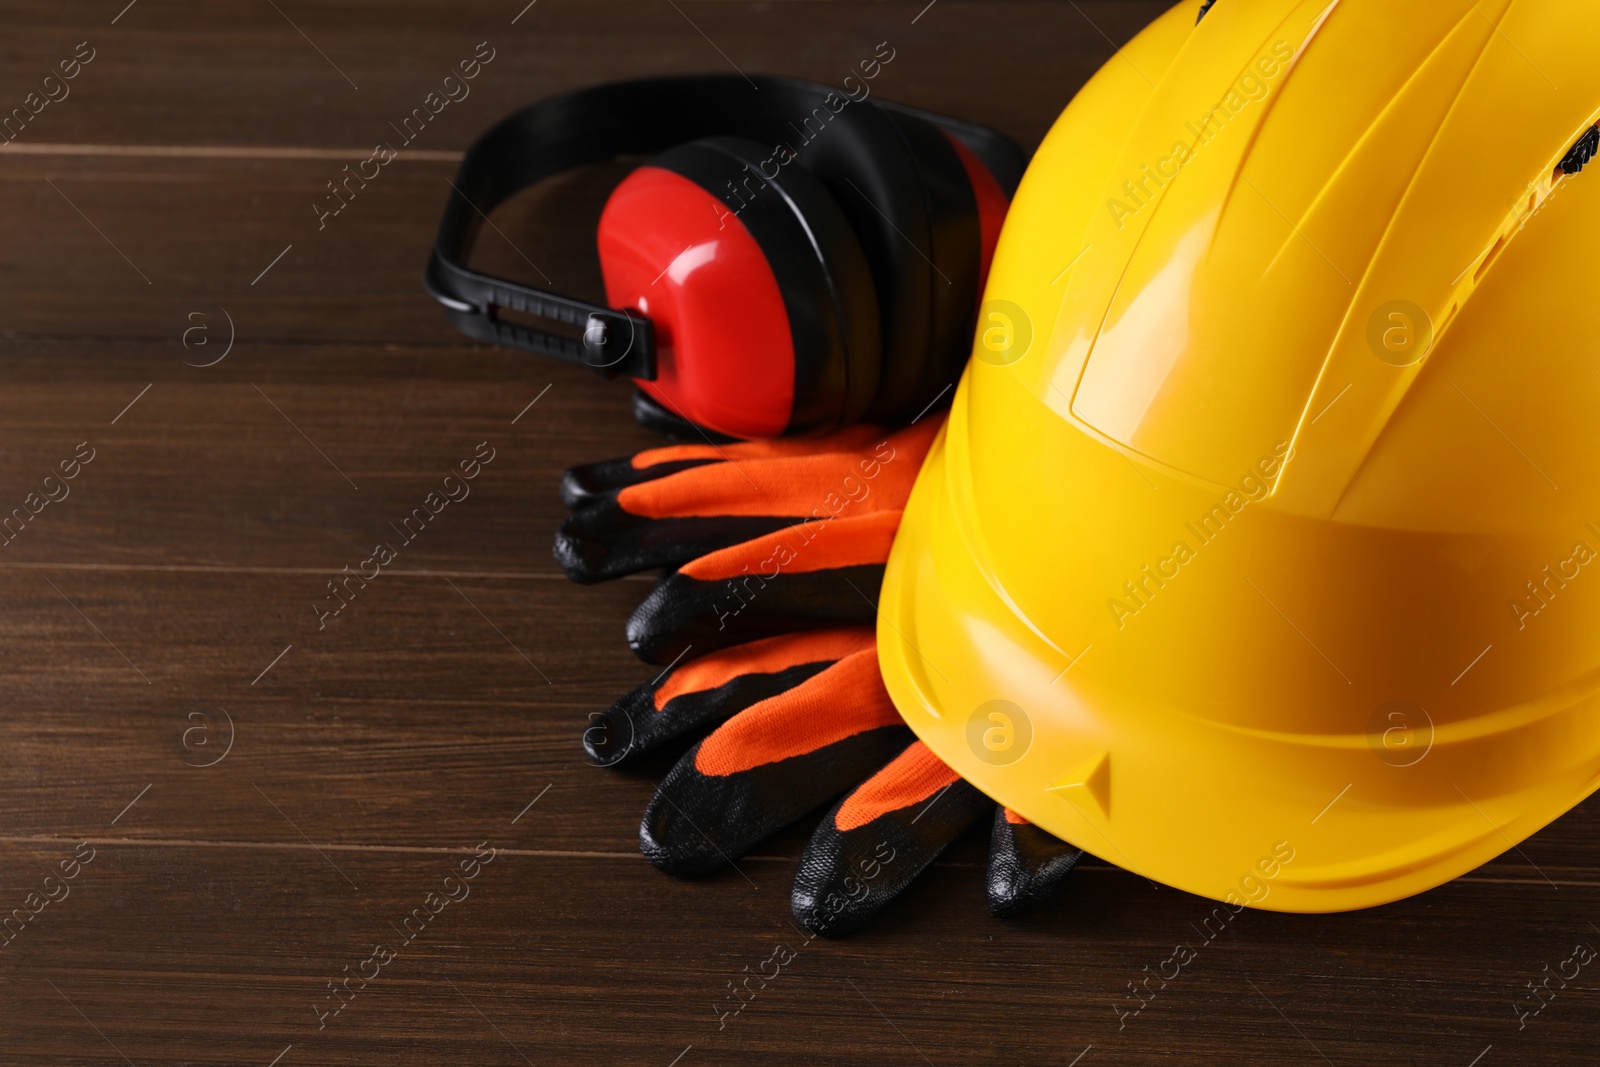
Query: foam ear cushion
{"x": 833, "y": 313}
{"x": 906, "y": 195}
{"x": 993, "y": 203}
{"x": 756, "y": 284}
{"x": 949, "y": 252}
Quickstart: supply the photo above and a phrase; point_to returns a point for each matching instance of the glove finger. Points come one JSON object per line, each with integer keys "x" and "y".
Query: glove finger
{"x": 803, "y": 577}
{"x": 604, "y": 540}
{"x": 706, "y": 691}
{"x": 789, "y": 477}
{"x": 1025, "y": 864}
{"x": 590, "y": 482}
{"x": 771, "y": 764}
{"x": 702, "y": 506}
{"x": 876, "y": 841}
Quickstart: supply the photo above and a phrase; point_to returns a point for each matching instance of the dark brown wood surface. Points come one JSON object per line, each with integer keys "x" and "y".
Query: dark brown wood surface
{"x": 162, "y": 612}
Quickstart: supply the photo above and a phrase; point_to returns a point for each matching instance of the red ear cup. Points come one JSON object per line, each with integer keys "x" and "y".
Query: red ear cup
{"x": 725, "y": 354}
{"x": 764, "y": 309}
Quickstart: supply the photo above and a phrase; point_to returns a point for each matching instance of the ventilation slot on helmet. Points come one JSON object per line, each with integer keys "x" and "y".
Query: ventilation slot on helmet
{"x": 1203, "y": 9}
{"x": 1581, "y": 153}
{"x": 1578, "y": 156}
{"x": 1488, "y": 260}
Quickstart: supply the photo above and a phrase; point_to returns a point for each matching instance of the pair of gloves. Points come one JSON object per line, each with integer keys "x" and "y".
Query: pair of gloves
{"x": 773, "y": 554}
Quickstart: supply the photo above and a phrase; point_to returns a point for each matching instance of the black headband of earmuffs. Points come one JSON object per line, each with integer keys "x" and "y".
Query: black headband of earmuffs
{"x": 642, "y": 117}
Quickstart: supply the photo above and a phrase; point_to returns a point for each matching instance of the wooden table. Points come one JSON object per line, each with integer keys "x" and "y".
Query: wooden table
{"x": 253, "y": 801}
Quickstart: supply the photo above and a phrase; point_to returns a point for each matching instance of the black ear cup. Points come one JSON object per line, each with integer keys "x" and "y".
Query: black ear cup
{"x": 951, "y": 260}
{"x": 828, "y": 289}
{"x": 906, "y": 194}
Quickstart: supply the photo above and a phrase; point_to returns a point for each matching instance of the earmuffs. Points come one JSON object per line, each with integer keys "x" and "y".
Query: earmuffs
{"x": 790, "y": 259}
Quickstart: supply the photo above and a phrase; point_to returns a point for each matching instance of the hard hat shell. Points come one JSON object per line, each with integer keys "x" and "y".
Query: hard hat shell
{"x": 1260, "y": 554}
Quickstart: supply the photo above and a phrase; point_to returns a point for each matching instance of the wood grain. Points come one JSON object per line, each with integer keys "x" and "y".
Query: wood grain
{"x": 165, "y": 607}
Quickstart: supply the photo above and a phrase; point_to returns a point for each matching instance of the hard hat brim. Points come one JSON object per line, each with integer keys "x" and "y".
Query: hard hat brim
{"x": 1296, "y": 822}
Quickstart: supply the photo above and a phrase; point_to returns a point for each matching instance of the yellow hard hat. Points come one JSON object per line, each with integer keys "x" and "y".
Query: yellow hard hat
{"x": 1260, "y": 554}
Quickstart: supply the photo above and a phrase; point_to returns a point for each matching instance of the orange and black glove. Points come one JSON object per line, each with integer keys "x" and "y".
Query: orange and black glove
{"x": 760, "y": 538}
{"x": 774, "y": 553}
